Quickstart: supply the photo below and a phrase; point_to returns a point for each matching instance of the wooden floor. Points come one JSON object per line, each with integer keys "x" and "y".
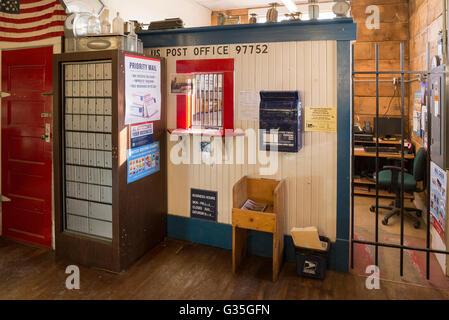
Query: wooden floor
{"x": 181, "y": 270}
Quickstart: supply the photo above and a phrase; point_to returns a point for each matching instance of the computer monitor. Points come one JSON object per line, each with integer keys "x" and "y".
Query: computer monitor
{"x": 388, "y": 127}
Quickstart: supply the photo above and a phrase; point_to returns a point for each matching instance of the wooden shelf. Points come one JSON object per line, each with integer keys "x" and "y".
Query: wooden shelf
{"x": 363, "y": 153}
{"x": 381, "y": 141}
{"x": 382, "y": 194}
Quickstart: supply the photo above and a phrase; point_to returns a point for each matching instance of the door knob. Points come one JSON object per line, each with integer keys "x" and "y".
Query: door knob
{"x": 46, "y": 135}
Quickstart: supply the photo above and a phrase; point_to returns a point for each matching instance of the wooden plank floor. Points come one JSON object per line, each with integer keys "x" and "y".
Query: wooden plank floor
{"x": 181, "y": 270}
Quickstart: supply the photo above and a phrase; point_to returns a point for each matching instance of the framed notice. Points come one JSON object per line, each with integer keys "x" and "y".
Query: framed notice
{"x": 203, "y": 204}
{"x": 321, "y": 119}
{"x": 143, "y": 94}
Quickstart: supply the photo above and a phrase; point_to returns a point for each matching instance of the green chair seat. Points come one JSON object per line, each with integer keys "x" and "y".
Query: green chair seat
{"x": 385, "y": 180}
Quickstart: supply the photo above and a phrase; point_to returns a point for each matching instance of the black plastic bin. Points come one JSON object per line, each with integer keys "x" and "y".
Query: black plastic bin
{"x": 312, "y": 263}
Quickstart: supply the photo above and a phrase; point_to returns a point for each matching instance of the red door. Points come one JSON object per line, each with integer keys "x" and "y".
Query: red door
{"x": 26, "y": 152}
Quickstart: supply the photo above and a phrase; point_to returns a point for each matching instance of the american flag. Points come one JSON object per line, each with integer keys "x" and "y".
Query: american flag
{"x": 30, "y": 20}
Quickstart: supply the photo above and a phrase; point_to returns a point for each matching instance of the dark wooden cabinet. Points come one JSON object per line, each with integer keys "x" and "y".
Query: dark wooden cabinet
{"x": 100, "y": 219}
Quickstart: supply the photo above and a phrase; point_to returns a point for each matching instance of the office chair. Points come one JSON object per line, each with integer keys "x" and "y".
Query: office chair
{"x": 390, "y": 180}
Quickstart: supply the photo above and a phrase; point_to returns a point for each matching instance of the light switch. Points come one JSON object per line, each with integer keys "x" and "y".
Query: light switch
{"x": 84, "y": 157}
{"x": 106, "y": 194}
{"x": 106, "y": 177}
{"x": 108, "y": 159}
{"x": 100, "y": 159}
{"x": 76, "y": 122}
{"x": 91, "y": 140}
{"x": 92, "y": 158}
{"x": 99, "y": 88}
{"x": 92, "y": 106}
{"x": 68, "y": 105}
{"x": 99, "y": 71}
{"x": 83, "y": 105}
{"x": 108, "y": 106}
{"x": 107, "y": 70}
{"x": 83, "y": 71}
{"x": 83, "y": 122}
{"x": 91, "y": 71}
{"x": 107, "y": 124}
{"x": 76, "y": 157}
{"x": 99, "y": 106}
{"x": 76, "y": 140}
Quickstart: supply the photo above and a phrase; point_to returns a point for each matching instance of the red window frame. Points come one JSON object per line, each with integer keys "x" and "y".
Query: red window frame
{"x": 225, "y": 66}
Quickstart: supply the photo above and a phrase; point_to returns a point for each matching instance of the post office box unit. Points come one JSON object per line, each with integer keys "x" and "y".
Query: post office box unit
{"x": 99, "y": 123}
{"x": 91, "y": 89}
{"x": 100, "y": 211}
{"x": 99, "y": 108}
{"x": 83, "y": 71}
{"x": 76, "y": 122}
{"x": 91, "y": 106}
{"x": 83, "y": 122}
{"x": 92, "y": 158}
{"x": 91, "y": 71}
{"x": 94, "y": 204}
{"x": 76, "y": 88}
{"x": 68, "y": 105}
{"x": 107, "y": 125}
{"x": 99, "y": 88}
{"x": 106, "y": 194}
{"x": 77, "y": 223}
{"x": 76, "y": 156}
{"x": 107, "y": 159}
{"x": 100, "y": 228}
{"x": 94, "y": 193}
{"x": 99, "y": 71}
{"x": 107, "y": 106}
{"x": 75, "y": 72}
{"x": 100, "y": 159}
{"x": 68, "y": 72}
{"x": 107, "y": 142}
{"x": 83, "y": 140}
{"x": 77, "y": 207}
{"x": 83, "y": 88}
{"x": 76, "y": 140}
{"x": 83, "y": 105}
{"x": 91, "y": 124}
{"x": 106, "y": 177}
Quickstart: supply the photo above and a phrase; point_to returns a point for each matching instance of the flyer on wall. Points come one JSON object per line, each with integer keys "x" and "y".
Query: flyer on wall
{"x": 142, "y": 89}
{"x": 143, "y": 161}
{"x": 438, "y": 196}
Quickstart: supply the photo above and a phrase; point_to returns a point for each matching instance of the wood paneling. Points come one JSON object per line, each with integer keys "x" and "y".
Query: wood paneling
{"x": 311, "y": 181}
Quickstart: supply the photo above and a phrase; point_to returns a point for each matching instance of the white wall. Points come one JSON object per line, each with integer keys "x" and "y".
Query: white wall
{"x": 192, "y": 13}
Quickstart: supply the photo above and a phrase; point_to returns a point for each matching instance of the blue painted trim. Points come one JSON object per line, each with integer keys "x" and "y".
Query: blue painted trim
{"x": 220, "y": 235}
{"x": 343, "y": 153}
{"x": 333, "y": 29}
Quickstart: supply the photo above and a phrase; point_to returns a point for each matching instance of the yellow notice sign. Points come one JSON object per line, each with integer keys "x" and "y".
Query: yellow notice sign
{"x": 321, "y": 119}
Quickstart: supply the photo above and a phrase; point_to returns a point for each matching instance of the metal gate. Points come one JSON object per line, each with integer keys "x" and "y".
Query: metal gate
{"x": 376, "y": 244}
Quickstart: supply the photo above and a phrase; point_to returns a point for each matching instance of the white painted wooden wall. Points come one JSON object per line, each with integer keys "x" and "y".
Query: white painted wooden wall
{"x": 311, "y": 174}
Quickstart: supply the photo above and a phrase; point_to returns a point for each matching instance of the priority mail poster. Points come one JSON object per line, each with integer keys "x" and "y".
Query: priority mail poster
{"x": 142, "y": 89}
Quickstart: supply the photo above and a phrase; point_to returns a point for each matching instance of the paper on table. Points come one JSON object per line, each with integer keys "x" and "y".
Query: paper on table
{"x": 249, "y": 102}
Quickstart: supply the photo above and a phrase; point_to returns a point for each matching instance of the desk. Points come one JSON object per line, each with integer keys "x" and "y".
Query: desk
{"x": 369, "y": 183}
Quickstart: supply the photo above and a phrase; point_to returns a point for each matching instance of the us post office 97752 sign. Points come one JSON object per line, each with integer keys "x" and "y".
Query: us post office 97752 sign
{"x": 142, "y": 89}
